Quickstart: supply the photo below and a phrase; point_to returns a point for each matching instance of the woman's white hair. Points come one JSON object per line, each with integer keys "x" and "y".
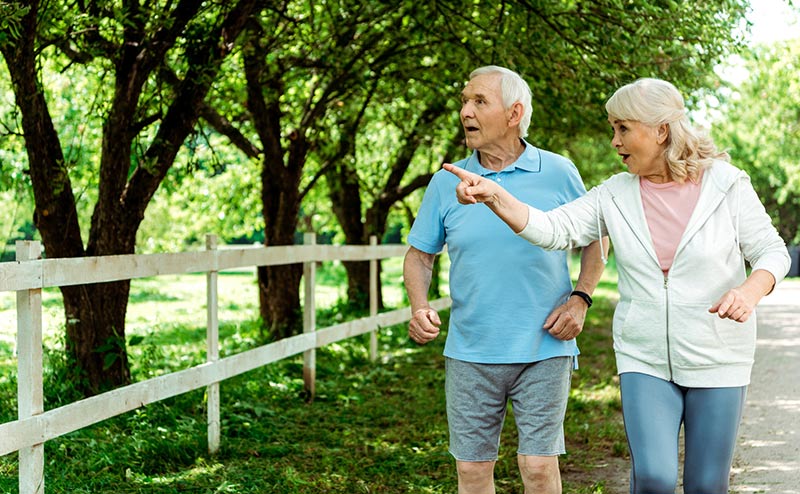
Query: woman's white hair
{"x": 656, "y": 102}
{"x": 513, "y": 88}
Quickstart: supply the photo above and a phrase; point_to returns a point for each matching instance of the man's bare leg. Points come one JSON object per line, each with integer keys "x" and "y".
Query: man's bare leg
{"x": 540, "y": 474}
{"x": 475, "y": 477}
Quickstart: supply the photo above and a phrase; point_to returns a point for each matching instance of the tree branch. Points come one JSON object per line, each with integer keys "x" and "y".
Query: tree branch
{"x": 226, "y": 128}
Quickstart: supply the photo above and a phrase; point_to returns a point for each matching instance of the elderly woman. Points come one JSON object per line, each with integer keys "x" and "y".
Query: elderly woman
{"x": 683, "y": 221}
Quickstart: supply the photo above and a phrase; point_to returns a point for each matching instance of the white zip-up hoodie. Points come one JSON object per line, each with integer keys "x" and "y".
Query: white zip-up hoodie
{"x": 662, "y": 326}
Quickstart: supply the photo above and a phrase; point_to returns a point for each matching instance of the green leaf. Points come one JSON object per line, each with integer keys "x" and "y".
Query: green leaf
{"x": 109, "y": 360}
{"x": 135, "y": 340}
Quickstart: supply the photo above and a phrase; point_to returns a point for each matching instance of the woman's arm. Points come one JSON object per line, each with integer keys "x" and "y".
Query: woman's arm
{"x": 760, "y": 242}
{"x": 763, "y": 248}
{"x": 575, "y": 224}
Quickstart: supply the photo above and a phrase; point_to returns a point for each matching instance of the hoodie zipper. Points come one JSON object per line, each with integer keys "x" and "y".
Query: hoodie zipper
{"x": 666, "y": 317}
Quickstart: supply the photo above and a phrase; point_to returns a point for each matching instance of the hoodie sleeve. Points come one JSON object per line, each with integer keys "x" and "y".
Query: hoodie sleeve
{"x": 575, "y": 224}
{"x": 759, "y": 241}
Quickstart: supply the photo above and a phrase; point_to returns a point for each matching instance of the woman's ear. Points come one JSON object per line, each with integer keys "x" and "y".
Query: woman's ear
{"x": 662, "y": 133}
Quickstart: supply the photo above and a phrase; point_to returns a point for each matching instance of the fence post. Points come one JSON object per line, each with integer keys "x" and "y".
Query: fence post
{"x": 212, "y": 345}
{"x": 309, "y": 318}
{"x": 373, "y": 300}
{"x": 30, "y": 394}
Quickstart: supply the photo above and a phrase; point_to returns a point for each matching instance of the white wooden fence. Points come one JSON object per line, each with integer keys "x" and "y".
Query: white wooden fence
{"x": 30, "y": 273}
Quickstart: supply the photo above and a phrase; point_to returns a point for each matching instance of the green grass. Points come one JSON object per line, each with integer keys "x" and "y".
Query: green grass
{"x": 374, "y": 427}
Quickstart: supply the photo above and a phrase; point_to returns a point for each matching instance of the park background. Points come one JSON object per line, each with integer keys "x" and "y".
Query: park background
{"x": 131, "y": 128}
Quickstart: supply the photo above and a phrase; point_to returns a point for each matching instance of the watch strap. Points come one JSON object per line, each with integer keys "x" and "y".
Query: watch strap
{"x": 585, "y": 296}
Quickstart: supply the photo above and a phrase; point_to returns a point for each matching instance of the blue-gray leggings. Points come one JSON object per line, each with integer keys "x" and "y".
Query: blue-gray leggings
{"x": 654, "y": 409}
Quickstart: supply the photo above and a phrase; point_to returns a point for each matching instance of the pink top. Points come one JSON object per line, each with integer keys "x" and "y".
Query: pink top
{"x": 668, "y": 208}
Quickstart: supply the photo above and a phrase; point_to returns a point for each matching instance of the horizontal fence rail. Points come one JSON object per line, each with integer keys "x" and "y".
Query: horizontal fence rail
{"x": 45, "y": 273}
{"x": 30, "y": 274}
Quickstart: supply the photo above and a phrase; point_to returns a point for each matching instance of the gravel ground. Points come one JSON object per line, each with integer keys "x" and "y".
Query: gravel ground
{"x": 768, "y": 455}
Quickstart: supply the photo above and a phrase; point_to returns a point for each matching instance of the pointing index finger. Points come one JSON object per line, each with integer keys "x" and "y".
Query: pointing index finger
{"x": 458, "y": 172}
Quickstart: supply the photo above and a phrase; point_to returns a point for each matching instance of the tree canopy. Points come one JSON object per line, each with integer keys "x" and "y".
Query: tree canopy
{"x": 759, "y": 125}
{"x": 126, "y": 110}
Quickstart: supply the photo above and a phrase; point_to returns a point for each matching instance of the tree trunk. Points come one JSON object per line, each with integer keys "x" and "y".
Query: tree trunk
{"x": 346, "y": 203}
{"x": 358, "y": 283}
{"x": 96, "y": 334}
{"x": 281, "y": 173}
{"x": 95, "y": 313}
{"x": 279, "y": 286}
{"x": 279, "y": 297}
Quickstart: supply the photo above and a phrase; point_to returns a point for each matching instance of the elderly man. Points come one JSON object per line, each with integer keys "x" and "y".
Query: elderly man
{"x": 515, "y": 314}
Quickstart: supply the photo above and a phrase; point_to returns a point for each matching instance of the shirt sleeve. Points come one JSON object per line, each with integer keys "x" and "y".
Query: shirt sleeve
{"x": 760, "y": 242}
{"x": 427, "y": 233}
{"x": 574, "y": 187}
{"x": 575, "y": 224}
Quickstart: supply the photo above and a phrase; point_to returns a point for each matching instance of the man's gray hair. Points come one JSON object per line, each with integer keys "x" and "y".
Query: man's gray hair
{"x": 513, "y": 88}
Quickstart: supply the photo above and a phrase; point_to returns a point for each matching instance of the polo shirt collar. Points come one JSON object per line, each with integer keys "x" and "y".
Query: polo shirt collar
{"x": 529, "y": 161}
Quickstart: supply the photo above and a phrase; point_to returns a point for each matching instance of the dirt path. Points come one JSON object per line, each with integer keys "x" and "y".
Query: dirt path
{"x": 768, "y": 455}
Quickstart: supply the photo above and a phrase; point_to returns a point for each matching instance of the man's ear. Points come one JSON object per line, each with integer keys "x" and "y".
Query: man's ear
{"x": 663, "y": 133}
{"x": 515, "y": 114}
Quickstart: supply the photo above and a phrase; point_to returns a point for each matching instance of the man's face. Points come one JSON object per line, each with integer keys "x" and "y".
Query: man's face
{"x": 484, "y": 119}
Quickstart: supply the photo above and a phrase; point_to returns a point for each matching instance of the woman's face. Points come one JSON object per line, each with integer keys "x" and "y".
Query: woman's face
{"x": 642, "y": 148}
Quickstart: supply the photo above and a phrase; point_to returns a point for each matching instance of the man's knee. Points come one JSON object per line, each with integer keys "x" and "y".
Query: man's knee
{"x": 540, "y": 474}
{"x": 475, "y": 476}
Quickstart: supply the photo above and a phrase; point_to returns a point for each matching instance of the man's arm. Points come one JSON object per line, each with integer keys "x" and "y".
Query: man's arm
{"x": 566, "y": 321}
{"x": 417, "y": 272}
{"x": 591, "y": 266}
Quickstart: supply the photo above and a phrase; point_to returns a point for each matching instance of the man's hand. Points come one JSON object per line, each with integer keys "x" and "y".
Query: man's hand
{"x": 424, "y": 325}
{"x": 566, "y": 320}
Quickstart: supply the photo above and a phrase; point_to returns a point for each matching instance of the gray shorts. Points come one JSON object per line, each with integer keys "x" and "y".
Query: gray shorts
{"x": 477, "y": 397}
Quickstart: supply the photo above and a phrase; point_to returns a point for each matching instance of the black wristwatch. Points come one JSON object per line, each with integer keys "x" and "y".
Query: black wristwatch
{"x": 585, "y": 296}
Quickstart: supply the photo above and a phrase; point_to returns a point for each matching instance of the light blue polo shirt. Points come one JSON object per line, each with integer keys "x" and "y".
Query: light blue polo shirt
{"x": 503, "y": 288}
